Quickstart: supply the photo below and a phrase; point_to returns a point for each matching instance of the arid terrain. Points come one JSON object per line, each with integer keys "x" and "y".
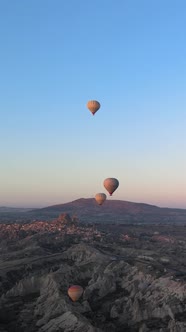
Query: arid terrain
{"x": 133, "y": 274}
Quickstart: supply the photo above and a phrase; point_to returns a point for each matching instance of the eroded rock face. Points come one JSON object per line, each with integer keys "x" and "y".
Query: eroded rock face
{"x": 117, "y": 297}
{"x": 69, "y": 322}
{"x": 81, "y": 253}
{"x": 26, "y": 287}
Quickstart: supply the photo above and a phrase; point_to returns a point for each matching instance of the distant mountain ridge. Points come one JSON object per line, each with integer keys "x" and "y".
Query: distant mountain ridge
{"x": 7, "y": 209}
{"x": 114, "y": 211}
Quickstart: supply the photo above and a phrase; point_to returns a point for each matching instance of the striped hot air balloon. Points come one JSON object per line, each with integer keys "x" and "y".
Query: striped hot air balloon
{"x": 111, "y": 184}
{"x": 100, "y": 198}
{"x": 75, "y": 292}
{"x": 93, "y": 106}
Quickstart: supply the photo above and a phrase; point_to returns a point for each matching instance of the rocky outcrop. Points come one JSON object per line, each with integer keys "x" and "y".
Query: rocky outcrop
{"x": 69, "y": 322}
{"x": 26, "y": 286}
{"x": 84, "y": 253}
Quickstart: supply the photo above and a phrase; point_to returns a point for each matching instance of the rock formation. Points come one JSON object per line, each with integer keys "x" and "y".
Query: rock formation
{"x": 121, "y": 292}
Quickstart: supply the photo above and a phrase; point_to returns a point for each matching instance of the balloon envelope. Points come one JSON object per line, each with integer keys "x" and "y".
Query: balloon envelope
{"x": 111, "y": 184}
{"x": 100, "y": 198}
{"x": 93, "y": 106}
{"x": 75, "y": 292}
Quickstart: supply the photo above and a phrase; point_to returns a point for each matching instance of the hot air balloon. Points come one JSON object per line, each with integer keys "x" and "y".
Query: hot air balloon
{"x": 93, "y": 106}
{"x": 100, "y": 198}
{"x": 111, "y": 184}
{"x": 75, "y": 292}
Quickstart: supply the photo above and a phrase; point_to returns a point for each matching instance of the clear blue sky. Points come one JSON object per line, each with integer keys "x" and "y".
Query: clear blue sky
{"x": 55, "y": 55}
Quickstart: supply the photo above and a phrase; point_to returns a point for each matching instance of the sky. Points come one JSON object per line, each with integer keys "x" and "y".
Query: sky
{"x": 55, "y": 55}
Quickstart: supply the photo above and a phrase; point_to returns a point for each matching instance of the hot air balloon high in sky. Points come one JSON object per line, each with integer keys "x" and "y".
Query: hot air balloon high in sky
{"x": 93, "y": 106}
{"x": 75, "y": 292}
{"x": 111, "y": 184}
{"x": 100, "y": 198}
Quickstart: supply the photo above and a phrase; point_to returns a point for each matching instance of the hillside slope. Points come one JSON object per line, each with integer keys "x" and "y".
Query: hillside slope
{"x": 114, "y": 211}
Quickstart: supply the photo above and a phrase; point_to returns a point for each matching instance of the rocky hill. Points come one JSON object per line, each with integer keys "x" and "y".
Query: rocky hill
{"x": 116, "y": 211}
